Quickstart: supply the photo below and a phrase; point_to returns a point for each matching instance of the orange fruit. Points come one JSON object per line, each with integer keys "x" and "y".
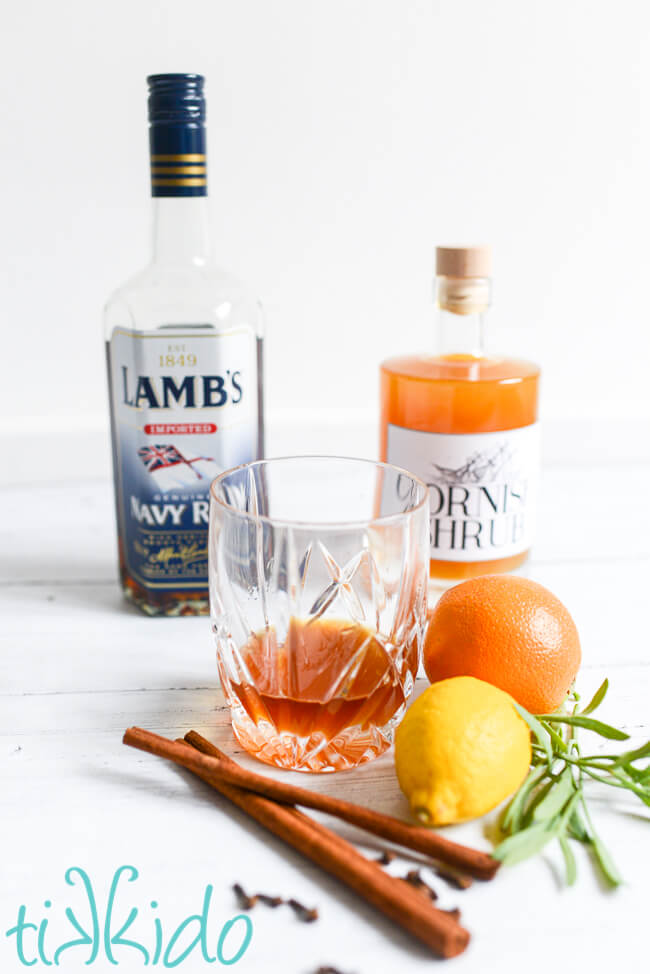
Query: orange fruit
{"x": 509, "y": 631}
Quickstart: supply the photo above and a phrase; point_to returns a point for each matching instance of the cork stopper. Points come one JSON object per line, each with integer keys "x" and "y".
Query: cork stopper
{"x": 463, "y": 279}
{"x": 463, "y": 262}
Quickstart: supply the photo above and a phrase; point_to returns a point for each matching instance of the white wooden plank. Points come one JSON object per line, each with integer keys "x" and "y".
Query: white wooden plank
{"x": 89, "y": 638}
{"x": 584, "y": 514}
{"x": 58, "y": 533}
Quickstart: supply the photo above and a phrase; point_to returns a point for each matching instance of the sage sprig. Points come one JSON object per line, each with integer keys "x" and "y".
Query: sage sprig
{"x": 551, "y": 803}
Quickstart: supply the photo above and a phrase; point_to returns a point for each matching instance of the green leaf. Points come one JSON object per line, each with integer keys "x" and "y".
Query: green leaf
{"x": 635, "y": 755}
{"x": 597, "y": 726}
{"x": 640, "y": 790}
{"x": 597, "y": 698}
{"x": 618, "y": 780}
{"x": 605, "y": 861}
{"x": 524, "y": 844}
{"x": 640, "y": 775}
{"x": 578, "y": 827}
{"x": 512, "y": 818}
{"x": 537, "y": 729}
{"x": 569, "y": 860}
{"x": 556, "y": 739}
{"x": 539, "y": 797}
{"x": 567, "y": 811}
{"x": 556, "y": 798}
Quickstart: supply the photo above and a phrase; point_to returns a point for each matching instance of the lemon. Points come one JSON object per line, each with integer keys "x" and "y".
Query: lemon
{"x": 460, "y": 750}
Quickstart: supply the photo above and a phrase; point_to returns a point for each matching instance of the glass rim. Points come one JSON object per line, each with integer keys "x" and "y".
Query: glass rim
{"x": 357, "y": 523}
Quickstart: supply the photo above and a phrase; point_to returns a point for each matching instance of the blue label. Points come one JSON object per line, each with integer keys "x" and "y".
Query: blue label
{"x": 184, "y": 408}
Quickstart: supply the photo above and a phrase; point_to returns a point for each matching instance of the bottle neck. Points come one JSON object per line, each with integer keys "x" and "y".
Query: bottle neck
{"x": 460, "y": 334}
{"x": 181, "y": 230}
{"x": 462, "y": 305}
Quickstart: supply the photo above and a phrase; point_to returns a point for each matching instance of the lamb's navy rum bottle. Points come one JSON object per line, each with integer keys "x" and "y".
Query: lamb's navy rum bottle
{"x": 184, "y": 352}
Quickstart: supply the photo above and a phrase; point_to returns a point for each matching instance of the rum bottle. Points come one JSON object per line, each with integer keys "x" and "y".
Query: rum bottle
{"x": 465, "y": 422}
{"x": 184, "y": 353}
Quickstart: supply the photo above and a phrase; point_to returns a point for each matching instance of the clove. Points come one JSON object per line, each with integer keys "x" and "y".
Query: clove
{"x": 414, "y": 878}
{"x": 302, "y": 912}
{"x": 245, "y": 901}
{"x": 457, "y": 880}
{"x": 271, "y": 901}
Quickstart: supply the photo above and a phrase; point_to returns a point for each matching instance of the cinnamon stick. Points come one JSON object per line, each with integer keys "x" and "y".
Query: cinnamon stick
{"x": 404, "y": 905}
{"x": 201, "y": 744}
{"x": 471, "y": 861}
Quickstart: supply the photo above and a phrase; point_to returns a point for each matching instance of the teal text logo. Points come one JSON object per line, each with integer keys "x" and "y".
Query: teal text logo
{"x": 111, "y": 934}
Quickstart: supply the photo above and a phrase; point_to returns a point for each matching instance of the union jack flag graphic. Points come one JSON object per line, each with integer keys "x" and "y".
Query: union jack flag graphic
{"x": 160, "y": 455}
{"x": 171, "y": 470}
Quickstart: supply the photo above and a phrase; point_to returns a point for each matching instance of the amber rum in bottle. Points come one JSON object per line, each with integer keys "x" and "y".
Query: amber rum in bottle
{"x": 465, "y": 421}
{"x": 184, "y": 354}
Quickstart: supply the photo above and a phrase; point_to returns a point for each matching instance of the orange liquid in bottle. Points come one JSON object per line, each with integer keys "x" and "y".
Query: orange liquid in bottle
{"x": 459, "y": 394}
{"x": 321, "y": 700}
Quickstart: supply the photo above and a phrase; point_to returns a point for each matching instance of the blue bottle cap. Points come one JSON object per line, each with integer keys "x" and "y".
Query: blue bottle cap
{"x": 177, "y": 135}
{"x": 176, "y": 98}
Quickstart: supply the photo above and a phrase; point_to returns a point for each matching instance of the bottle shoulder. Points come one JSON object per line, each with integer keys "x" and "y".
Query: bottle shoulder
{"x": 459, "y": 368}
{"x": 162, "y": 294}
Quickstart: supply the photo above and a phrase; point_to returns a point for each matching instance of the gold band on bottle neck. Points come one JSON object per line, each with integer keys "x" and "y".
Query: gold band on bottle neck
{"x": 463, "y": 296}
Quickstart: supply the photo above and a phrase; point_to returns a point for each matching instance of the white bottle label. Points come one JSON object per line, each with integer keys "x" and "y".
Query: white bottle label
{"x": 184, "y": 408}
{"x": 482, "y": 488}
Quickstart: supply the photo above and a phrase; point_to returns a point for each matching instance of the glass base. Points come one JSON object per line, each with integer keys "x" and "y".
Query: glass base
{"x": 316, "y": 754}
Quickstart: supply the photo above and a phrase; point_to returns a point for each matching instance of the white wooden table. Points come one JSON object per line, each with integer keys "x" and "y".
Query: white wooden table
{"x": 78, "y": 665}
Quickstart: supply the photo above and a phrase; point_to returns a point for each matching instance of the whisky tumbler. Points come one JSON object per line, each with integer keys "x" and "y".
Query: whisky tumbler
{"x": 318, "y": 584}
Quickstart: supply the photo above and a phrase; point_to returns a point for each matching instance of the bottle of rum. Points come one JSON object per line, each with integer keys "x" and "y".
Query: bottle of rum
{"x": 184, "y": 350}
{"x": 466, "y": 423}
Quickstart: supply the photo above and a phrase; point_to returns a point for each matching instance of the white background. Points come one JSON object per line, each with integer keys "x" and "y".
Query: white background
{"x": 345, "y": 140}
